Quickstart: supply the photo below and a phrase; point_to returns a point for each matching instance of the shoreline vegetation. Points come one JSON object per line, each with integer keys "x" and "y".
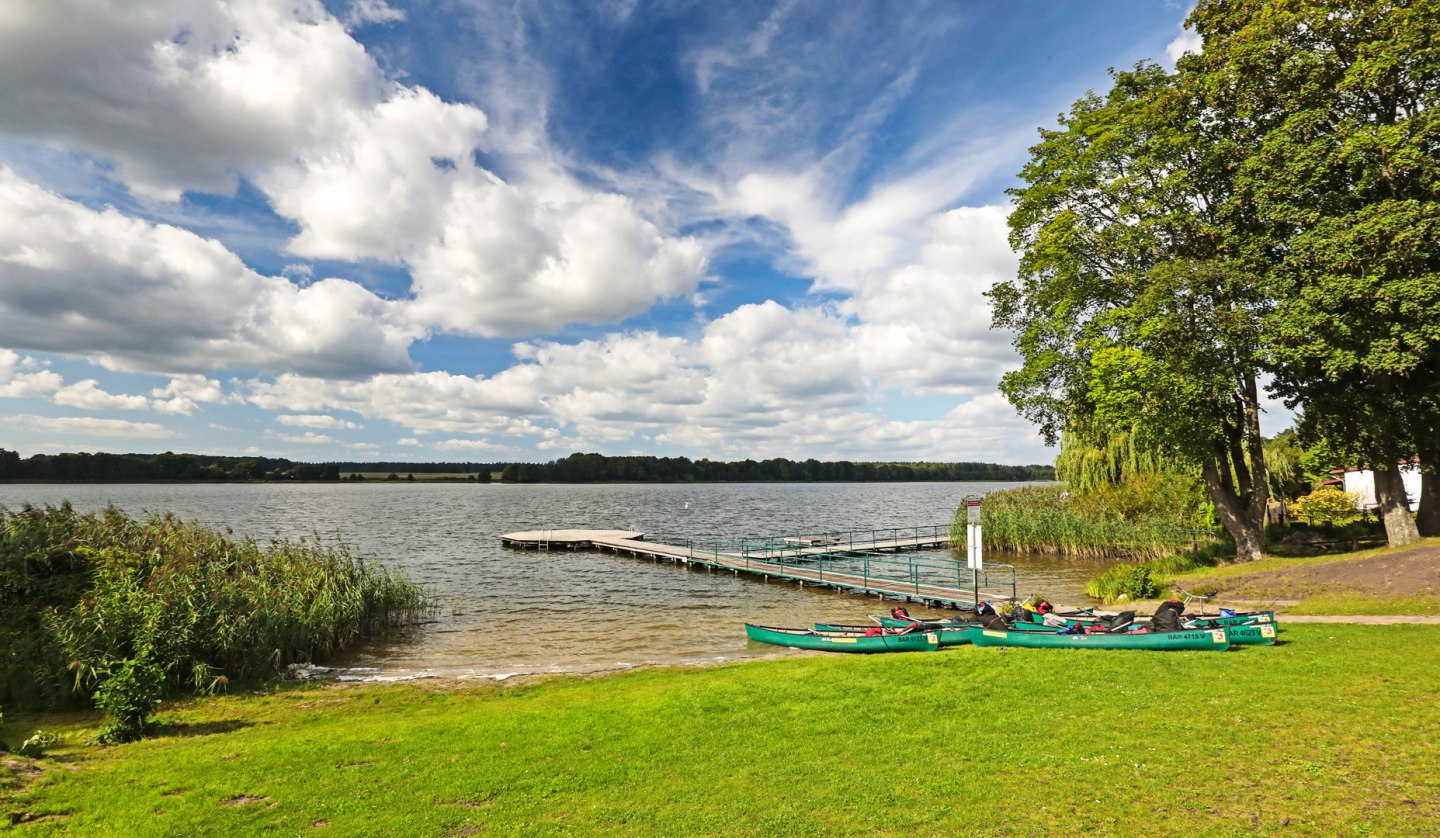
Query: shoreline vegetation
{"x": 86, "y": 467}
{"x": 117, "y": 611}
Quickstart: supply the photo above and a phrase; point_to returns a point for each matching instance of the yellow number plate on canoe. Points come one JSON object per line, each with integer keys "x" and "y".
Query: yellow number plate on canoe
{"x": 1267, "y": 631}
{"x": 1217, "y": 636}
{"x": 989, "y": 633}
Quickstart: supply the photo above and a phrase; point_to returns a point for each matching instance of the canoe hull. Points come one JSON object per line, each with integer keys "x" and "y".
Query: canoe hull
{"x": 951, "y": 636}
{"x": 848, "y": 642}
{"x": 1210, "y": 640}
{"x": 1255, "y": 634}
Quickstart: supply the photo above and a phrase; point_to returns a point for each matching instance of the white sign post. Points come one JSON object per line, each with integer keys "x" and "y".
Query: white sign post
{"x": 974, "y": 557}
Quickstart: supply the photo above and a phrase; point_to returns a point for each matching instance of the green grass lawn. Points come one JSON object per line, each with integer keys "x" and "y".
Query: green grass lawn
{"x": 1329, "y": 733}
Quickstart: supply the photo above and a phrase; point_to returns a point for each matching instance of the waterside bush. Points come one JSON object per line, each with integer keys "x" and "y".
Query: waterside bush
{"x": 105, "y": 607}
{"x": 1150, "y": 579}
{"x": 1147, "y": 517}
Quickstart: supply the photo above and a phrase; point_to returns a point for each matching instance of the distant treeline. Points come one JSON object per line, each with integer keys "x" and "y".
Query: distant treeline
{"x": 576, "y": 468}
{"x": 597, "y": 468}
{"x": 140, "y": 468}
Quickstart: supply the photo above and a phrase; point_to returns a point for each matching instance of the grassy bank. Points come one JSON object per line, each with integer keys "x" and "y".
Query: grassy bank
{"x": 1325, "y": 734}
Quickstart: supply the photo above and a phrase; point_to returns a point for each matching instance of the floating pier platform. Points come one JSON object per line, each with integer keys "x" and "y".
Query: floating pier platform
{"x": 888, "y": 563}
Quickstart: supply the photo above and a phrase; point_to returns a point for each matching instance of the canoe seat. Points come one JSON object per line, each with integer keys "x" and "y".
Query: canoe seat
{"x": 1189, "y": 598}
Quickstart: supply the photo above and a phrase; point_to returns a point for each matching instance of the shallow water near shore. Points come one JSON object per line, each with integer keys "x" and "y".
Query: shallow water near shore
{"x": 506, "y": 612}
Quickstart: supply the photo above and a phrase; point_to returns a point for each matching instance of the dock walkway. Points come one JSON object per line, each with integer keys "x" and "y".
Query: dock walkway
{"x": 881, "y": 563}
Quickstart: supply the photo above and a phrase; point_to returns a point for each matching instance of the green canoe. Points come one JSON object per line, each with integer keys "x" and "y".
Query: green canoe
{"x": 1252, "y": 634}
{"x": 1244, "y": 618}
{"x": 1198, "y": 640}
{"x": 937, "y": 622}
{"x": 839, "y": 641}
{"x": 1255, "y": 634}
{"x": 1189, "y": 622}
{"x": 949, "y": 635}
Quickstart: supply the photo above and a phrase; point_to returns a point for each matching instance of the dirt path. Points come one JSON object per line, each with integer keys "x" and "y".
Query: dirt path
{"x": 1389, "y": 576}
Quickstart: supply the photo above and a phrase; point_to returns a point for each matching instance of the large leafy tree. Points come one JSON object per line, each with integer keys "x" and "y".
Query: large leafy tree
{"x": 1336, "y": 100}
{"x": 1136, "y": 306}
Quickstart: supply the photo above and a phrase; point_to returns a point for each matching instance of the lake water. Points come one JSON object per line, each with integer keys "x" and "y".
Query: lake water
{"x": 505, "y": 612}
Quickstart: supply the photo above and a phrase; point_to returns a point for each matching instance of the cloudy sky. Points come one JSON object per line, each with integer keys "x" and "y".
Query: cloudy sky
{"x": 473, "y": 230}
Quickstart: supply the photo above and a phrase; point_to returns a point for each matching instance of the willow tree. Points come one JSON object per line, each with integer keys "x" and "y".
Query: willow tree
{"x": 1336, "y": 100}
{"x": 1136, "y": 304}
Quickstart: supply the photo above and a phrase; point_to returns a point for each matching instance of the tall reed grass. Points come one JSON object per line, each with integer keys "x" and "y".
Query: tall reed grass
{"x": 81, "y": 594}
{"x": 1050, "y": 519}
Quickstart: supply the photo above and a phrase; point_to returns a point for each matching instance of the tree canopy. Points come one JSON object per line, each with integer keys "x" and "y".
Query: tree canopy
{"x": 1268, "y": 208}
{"x": 1135, "y": 309}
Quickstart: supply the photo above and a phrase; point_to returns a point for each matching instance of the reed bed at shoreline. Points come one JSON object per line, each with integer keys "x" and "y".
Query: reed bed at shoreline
{"x": 84, "y": 597}
{"x": 1049, "y": 519}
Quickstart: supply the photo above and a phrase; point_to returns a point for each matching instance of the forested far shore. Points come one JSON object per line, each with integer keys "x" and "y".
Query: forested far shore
{"x": 577, "y": 468}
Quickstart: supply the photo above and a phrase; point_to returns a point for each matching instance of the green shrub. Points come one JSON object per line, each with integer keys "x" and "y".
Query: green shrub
{"x": 36, "y": 745}
{"x": 86, "y": 593}
{"x": 1328, "y": 506}
{"x": 1123, "y": 582}
{"x": 128, "y": 693}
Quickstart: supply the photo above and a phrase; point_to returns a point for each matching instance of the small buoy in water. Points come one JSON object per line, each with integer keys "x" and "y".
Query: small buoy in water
{"x": 686, "y": 506}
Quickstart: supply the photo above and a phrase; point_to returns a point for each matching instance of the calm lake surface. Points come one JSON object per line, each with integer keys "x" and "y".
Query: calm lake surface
{"x": 505, "y": 612}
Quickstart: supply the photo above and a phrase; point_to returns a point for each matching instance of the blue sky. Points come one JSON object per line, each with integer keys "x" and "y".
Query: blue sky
{"x": 488, "y": 231}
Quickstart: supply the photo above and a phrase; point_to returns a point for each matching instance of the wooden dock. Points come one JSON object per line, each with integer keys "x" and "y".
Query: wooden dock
{"x": 883, "y": 563}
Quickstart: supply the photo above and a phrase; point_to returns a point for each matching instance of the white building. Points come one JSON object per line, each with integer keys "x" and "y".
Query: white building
{"x": 1361, "y": 481}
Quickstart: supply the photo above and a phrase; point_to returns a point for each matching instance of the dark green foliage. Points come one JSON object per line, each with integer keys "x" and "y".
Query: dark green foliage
{"x": 1130, "y": 581}
{"x": 169, "y": 466}
{"x": 1134, "y": 308}
{"x": 576, "y": 468}
{"x": 593, "y": 468}
{"x": 128, "y": 693}
{"x": 1335, "y": 106}
{"x": 81, "y": 595}
{"x": 36, "y": 745}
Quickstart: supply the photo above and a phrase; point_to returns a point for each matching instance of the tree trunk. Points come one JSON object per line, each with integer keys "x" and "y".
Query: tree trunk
{"x": 1259, "y": 494}
{"x": 1428, "y": 519}
{"x": 1234, "y": 515}
{"x": 1395, "y": 507}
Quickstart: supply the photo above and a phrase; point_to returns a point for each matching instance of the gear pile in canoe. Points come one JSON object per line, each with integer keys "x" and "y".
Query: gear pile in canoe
{"x": 1033, "y": 624}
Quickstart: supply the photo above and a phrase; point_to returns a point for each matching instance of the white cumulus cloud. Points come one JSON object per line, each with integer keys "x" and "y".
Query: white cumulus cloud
{"x": 180, "y": 93}
{"x": 158, "y": 298}
{"x": 87, "y": 395}
{"x": 318, "y": 421}
{"x": 91, "y": 427}
{"x": 22, "y": 378}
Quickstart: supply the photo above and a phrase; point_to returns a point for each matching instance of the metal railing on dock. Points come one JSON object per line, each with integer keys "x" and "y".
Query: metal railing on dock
{"x": 876, "y": 562}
